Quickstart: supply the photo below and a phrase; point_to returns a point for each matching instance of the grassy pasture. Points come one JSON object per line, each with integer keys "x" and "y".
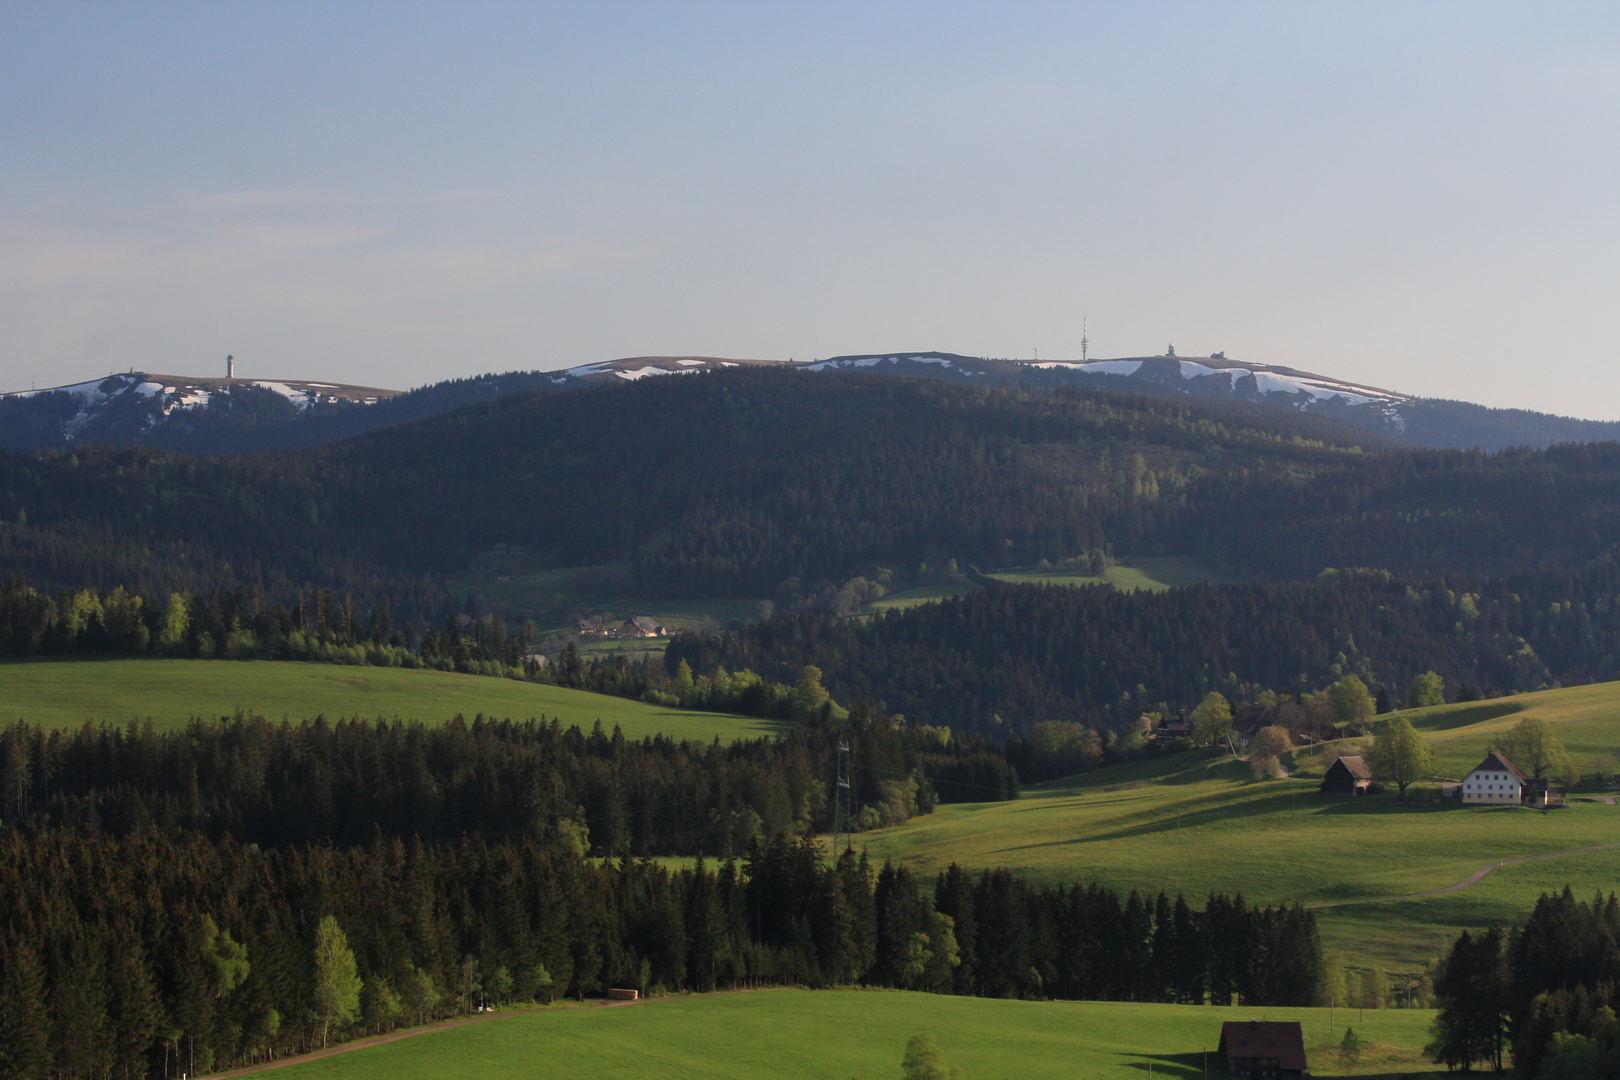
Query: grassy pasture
{"x": 66, "y": 693}
{"x": 1150, "y": 574}
{"x": 1196, "y": 821}
{"x": 835, "y": 1034}
{"x": 515, "y": 585}
{"x": 922, "y": 594}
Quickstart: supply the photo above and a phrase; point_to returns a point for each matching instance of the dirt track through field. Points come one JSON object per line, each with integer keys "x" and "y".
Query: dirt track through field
{"x": 392, "y": 1036}
{"x": 1472, "y": 879}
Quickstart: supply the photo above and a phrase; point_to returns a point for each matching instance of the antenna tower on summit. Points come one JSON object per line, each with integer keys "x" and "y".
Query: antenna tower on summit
{"x": 1083, "y": 342}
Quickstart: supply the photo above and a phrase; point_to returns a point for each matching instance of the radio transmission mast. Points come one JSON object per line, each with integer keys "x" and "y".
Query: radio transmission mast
{"x": 1083, "y": 342}
{"x": 843, "y": 799}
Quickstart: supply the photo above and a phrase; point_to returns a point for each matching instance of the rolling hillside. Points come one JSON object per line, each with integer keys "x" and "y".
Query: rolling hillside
{"x": 793, "y": 1034}
{"x": 1197, "y": 822}
{"x": 69, "y": 693}
{"x": 751, "y": 482}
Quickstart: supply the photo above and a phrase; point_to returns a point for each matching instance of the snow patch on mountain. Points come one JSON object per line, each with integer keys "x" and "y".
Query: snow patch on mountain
{"x": 158, "y": 396}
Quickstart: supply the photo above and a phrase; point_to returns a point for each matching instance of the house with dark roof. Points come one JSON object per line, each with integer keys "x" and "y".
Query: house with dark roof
{"x": 1348, "y": 776}
{"x": 1263, "y": 1049}
{"x": 641, "y": 626}
{"x": 1173, "y": 727}
{"x": 1496, "y": 781}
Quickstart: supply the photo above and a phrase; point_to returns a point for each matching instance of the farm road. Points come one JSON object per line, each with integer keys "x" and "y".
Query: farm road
{"x": 392, "y": 1036}
{"x": 1471, "y": 879}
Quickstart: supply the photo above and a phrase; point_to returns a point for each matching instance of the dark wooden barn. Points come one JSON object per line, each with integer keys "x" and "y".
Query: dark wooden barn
{"x": 1347, "y": 776}
{"x": 1264, "y": 1049}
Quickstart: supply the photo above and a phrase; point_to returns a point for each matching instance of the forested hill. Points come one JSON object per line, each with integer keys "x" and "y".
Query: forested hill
{"x": 230, "y": 415}
{"x": 735, "y": 482}
{"x": 717, "y": 484}
{"x": 1031, "y": 653}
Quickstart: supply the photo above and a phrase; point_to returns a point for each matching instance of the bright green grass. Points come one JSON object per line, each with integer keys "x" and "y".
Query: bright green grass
{"x": 1150, "y": 574}
{"x": 1586, "y": 719}
{"x": 1194, "y": 823}
{"x": 837, "y": 1034}
{"x": 922, "y": 594}
{"x": 169, "y": 692}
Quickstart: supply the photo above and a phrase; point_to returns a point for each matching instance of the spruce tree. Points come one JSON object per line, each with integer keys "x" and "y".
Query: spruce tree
{"x": 25, "y": 1025}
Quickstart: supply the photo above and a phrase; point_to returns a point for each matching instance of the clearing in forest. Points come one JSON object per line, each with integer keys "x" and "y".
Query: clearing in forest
{"x": 66, "y": 693}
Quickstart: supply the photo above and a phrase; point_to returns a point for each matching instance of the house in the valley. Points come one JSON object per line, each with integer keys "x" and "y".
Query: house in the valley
{"x": 1347, "y": 776}
{"x": 1263, "y": 1049}
{"x": 1496, "y": 781}
{"x": 590, "y": 626}
{"x": 641, "y": 626}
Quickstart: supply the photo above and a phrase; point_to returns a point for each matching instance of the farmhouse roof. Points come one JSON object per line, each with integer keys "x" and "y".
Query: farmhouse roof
{"x": 1495, "y": 762}
{"x": 645, "y": 623}
{"x": 1356, "y": 765}
{"x": 1281, "y": 1039}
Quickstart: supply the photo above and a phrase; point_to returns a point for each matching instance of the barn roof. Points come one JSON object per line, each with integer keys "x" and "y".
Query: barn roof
{"x": 1495, "y": 762}
{"x": 1356, "y": 765}
{"x": 1281, "y": 1039}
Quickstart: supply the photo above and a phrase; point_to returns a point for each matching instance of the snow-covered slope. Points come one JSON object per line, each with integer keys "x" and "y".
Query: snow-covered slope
{"x": 632, "y": 368}
{"x": 144, "y": 400}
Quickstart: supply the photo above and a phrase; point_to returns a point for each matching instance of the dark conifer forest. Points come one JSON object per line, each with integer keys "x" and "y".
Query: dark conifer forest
{"x": 166, "y": 952}
{"x": 1547, "y": 991}
{"x": 732, "y": 483}
{"x": 1094, "y": 655}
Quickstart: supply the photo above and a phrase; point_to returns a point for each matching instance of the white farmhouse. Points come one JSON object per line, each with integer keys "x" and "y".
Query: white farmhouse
{"x": 1495, "y": 780}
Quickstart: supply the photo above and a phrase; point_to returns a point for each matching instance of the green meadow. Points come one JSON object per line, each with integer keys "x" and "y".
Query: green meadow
{"x": 922, "y": 594}
{"x": 67, "y": 693}
{"x": 1197, "y": 821}
{"x": 1148, "y": 574}
{"x": 838, "y": 1034}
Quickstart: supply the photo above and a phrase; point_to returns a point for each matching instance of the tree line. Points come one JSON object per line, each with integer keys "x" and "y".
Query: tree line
{"x": 598, "y": 792}
{"x": 1547, "y": 992}
{"x": 1006, "y": 657}
{"x": 161, "y": 953}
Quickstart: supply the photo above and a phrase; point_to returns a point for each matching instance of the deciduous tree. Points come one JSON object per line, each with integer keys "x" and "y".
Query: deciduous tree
{"x": 1399, "y": 754}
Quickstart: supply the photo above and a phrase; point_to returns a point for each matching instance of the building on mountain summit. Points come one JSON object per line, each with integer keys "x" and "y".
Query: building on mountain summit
{"x": 1263, "y": 1048}
{"x": 1347, "y": 776}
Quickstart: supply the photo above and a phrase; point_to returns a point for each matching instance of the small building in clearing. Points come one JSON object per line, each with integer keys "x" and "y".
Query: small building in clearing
{"x": 641, "y": 626}
{"x": 1173, "y": 727}
{"x": 1263, "y": 1049}
{"x": 1348, "y": 776}
{"x": 1496, "y": 781}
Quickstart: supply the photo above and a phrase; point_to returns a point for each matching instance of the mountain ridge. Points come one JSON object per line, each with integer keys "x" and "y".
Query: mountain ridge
{"x": 202, "y": 415}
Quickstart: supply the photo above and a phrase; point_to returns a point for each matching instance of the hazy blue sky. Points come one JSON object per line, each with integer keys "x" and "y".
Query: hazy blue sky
{"x": 1419, "y": 196}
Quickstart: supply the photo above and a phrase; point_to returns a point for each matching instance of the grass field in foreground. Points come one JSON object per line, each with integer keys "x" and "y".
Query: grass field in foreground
{"x": 838, "y": 1034}
{"x": 1194, "y": 822}
{"x": 66, "y": 693}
